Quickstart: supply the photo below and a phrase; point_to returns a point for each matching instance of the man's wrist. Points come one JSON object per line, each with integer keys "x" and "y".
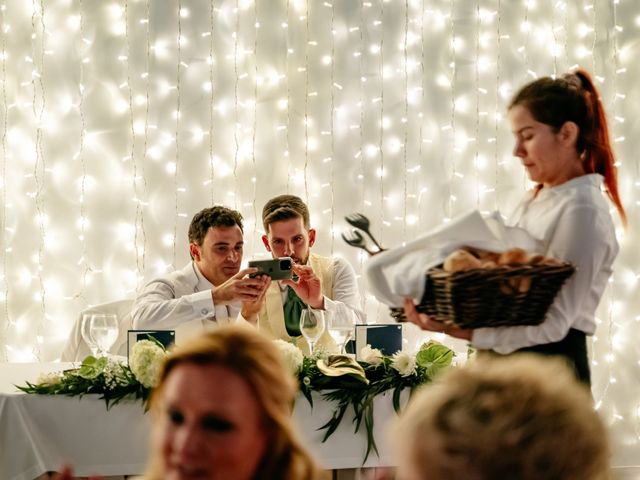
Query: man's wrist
{"x": 317, "y": 305}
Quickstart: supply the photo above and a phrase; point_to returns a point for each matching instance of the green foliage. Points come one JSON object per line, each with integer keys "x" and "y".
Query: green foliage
{"x": 340, "y": 382}
{"x": 112, "y": 381}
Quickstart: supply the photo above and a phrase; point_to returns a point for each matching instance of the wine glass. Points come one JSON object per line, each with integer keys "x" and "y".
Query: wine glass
{"x": 311, "y": 326}
{"x": 85, "y": 330}
{"x": 104, "y": 331}
{"x": 341, "y": 324}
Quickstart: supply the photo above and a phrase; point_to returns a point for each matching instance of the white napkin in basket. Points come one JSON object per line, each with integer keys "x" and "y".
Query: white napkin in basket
{"x": 400, "y": 272}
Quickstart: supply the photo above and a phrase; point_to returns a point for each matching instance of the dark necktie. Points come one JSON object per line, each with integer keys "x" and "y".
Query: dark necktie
{"x": 292, "y": 309}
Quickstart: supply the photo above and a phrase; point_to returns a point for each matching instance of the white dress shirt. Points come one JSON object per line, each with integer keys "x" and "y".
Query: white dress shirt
{"x": 177, "y": 299}
{"x": 573, "y": 223}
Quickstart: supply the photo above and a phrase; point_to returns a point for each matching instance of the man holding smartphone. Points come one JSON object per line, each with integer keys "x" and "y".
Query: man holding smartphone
{"x": 319, "y": 283}
{"x": 211, "y": 288}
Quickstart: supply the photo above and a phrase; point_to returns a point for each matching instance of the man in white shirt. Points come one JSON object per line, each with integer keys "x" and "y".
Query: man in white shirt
{"x": 322, "y": 283}
{"x": 211, "y": 289}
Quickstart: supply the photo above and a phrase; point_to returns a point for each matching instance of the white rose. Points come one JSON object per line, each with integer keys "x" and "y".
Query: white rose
{"x": 371, "y": 355}
{"x": 146, "y": 359}
{"x": 291, "y": 354}
{"x": 404, "y": 364}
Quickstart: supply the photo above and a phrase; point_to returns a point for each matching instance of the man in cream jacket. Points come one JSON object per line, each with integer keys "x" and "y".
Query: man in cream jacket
{"x": 322, "y": 283}
{"x": 209, "y": 290}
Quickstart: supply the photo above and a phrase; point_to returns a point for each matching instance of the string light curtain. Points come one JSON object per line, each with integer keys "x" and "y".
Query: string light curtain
{"x": 121, "y": 119}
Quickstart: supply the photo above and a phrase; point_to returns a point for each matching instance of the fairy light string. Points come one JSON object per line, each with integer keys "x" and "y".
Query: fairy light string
{"x": 83, "y": 262}
{"x": 332, "y": 112}
{"x": 452, "y": 70}
{"x": 306, "y": 101}
{"x": 211, "y": 107}
{"x": 381, "y": 135}
{"x": 405, "y": 122}
{"x": 40, "y": 166}
{"x": 177, "y": 134}
{"x": 236, "y": 106}
{"x": 4, "y": 242}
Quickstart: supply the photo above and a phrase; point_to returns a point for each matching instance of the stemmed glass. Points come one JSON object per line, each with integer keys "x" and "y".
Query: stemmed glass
{"x": 85, "y": 330}
{"x": 311, "y": 326}
{"x": 104, "y": 331}
{"x": 341, "y": 324}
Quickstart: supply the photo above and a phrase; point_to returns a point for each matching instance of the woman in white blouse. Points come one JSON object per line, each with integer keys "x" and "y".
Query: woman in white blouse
{"x": 563, "y": 142}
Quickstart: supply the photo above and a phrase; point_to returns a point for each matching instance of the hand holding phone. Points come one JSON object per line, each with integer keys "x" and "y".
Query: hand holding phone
{"x": 276, "y": 268}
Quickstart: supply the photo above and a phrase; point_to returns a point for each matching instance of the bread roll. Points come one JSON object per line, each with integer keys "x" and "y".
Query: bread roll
{"x": 536, "y": 259}
{"x": 460, "y": 261}
{"x": 514, "y": 256}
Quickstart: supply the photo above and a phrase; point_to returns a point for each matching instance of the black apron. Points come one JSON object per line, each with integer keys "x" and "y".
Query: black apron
{"x": 572, "y": 348}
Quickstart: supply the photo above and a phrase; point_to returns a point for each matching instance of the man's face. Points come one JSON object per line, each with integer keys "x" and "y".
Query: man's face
{"x": 289, "y": 238}
{"x": 220, "y": 255}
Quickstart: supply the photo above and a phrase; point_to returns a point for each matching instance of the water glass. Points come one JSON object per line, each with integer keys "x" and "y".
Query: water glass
{"x": 311, "y": 326}
{"x": 341, "y": 325}
{"x": 104, "y": 331}
{"x": 85, "y": 331}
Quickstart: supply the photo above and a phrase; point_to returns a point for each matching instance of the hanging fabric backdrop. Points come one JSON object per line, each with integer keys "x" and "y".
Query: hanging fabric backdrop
{"x": 120, "y": 119}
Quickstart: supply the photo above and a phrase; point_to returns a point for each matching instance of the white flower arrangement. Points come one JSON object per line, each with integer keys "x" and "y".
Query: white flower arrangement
{"x": 291, "y": 354}
{"x": 404, "y": 364}
{"x": 370, "y": 355}
{"x": 146, "y": 359}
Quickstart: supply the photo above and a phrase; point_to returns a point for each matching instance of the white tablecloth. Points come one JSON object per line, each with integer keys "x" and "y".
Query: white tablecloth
{"x": 39, "y": 433}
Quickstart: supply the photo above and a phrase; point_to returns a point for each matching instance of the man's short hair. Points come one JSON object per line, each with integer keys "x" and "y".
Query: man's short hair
{"x": 284, "y": 207}
{"x": 206, "y": 218}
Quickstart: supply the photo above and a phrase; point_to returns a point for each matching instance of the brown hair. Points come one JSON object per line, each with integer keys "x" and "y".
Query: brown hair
{"x": 523, "y": 417}
{"x": 206, "y": 218}
{"x": 284, "y": 207}
{"x": 256, "y": 359}
{"x": 574, "y": 98}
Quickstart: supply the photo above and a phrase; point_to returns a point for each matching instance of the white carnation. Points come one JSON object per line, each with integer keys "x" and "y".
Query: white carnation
{"x": 371, "y": 355}
{"x": 146, "y": 359}
{"x": 49, "y": 378}
{"x": 291, "y": 354}
{"x": 404, "y": 364}
{"x": 114, "y": 375}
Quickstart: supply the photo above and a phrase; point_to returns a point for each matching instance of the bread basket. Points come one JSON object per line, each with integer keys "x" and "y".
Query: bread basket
{"x": 496, "y": 297}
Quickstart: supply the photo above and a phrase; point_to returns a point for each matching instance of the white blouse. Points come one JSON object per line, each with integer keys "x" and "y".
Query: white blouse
{"x": 573, "y": 223}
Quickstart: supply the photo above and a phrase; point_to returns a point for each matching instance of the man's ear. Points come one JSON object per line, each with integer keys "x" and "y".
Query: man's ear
{"x": 569, "y": 132}
{"x": 265, "y": 240}
{"x": 194, "y": 250}
{"x": 312, "y": 236}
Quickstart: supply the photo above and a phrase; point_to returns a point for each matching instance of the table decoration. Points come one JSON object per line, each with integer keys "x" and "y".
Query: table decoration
{"x": 343, "y": 380}
{"x": 105, "y": 376}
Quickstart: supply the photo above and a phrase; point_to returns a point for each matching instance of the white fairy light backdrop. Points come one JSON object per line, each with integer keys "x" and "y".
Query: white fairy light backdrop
{"x": 122, "y": 119}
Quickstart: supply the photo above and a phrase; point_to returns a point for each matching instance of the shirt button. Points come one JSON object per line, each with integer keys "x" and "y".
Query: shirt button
{"x": 204, "y": 311}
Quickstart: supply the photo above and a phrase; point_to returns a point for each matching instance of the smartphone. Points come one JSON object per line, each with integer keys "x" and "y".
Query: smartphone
{"x": 276, "y": 268}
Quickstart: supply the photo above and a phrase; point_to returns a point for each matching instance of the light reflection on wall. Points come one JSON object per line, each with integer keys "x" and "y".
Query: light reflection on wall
{"x": 120, "y": 120}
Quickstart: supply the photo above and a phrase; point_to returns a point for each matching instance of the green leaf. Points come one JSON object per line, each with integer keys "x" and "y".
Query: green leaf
{"x": 434, "y": 356}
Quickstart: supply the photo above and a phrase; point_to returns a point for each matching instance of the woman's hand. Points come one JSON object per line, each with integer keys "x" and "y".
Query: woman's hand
{"x": 425, "y": 322}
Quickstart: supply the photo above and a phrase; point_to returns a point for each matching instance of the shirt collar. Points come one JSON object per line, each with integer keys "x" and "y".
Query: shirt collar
{"x": 203, "y": 283}
{"x": 590, "y": 179}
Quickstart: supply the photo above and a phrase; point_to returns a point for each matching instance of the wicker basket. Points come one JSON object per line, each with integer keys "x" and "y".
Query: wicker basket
{"x": 503, "y": 296}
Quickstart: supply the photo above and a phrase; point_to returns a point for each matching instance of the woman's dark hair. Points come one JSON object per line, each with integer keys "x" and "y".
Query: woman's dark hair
{"x": 574, "y": 98}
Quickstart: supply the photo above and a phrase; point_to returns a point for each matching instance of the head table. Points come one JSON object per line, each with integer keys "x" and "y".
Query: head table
{"x": 39, "y": 433}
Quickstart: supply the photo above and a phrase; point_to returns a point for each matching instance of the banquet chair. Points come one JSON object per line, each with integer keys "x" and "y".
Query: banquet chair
{"x": 77, "y": 349}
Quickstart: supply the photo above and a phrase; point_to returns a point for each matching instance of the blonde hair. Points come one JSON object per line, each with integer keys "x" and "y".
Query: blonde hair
{"x": 521, "y": 417}
{"x": 254, "y": 358}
